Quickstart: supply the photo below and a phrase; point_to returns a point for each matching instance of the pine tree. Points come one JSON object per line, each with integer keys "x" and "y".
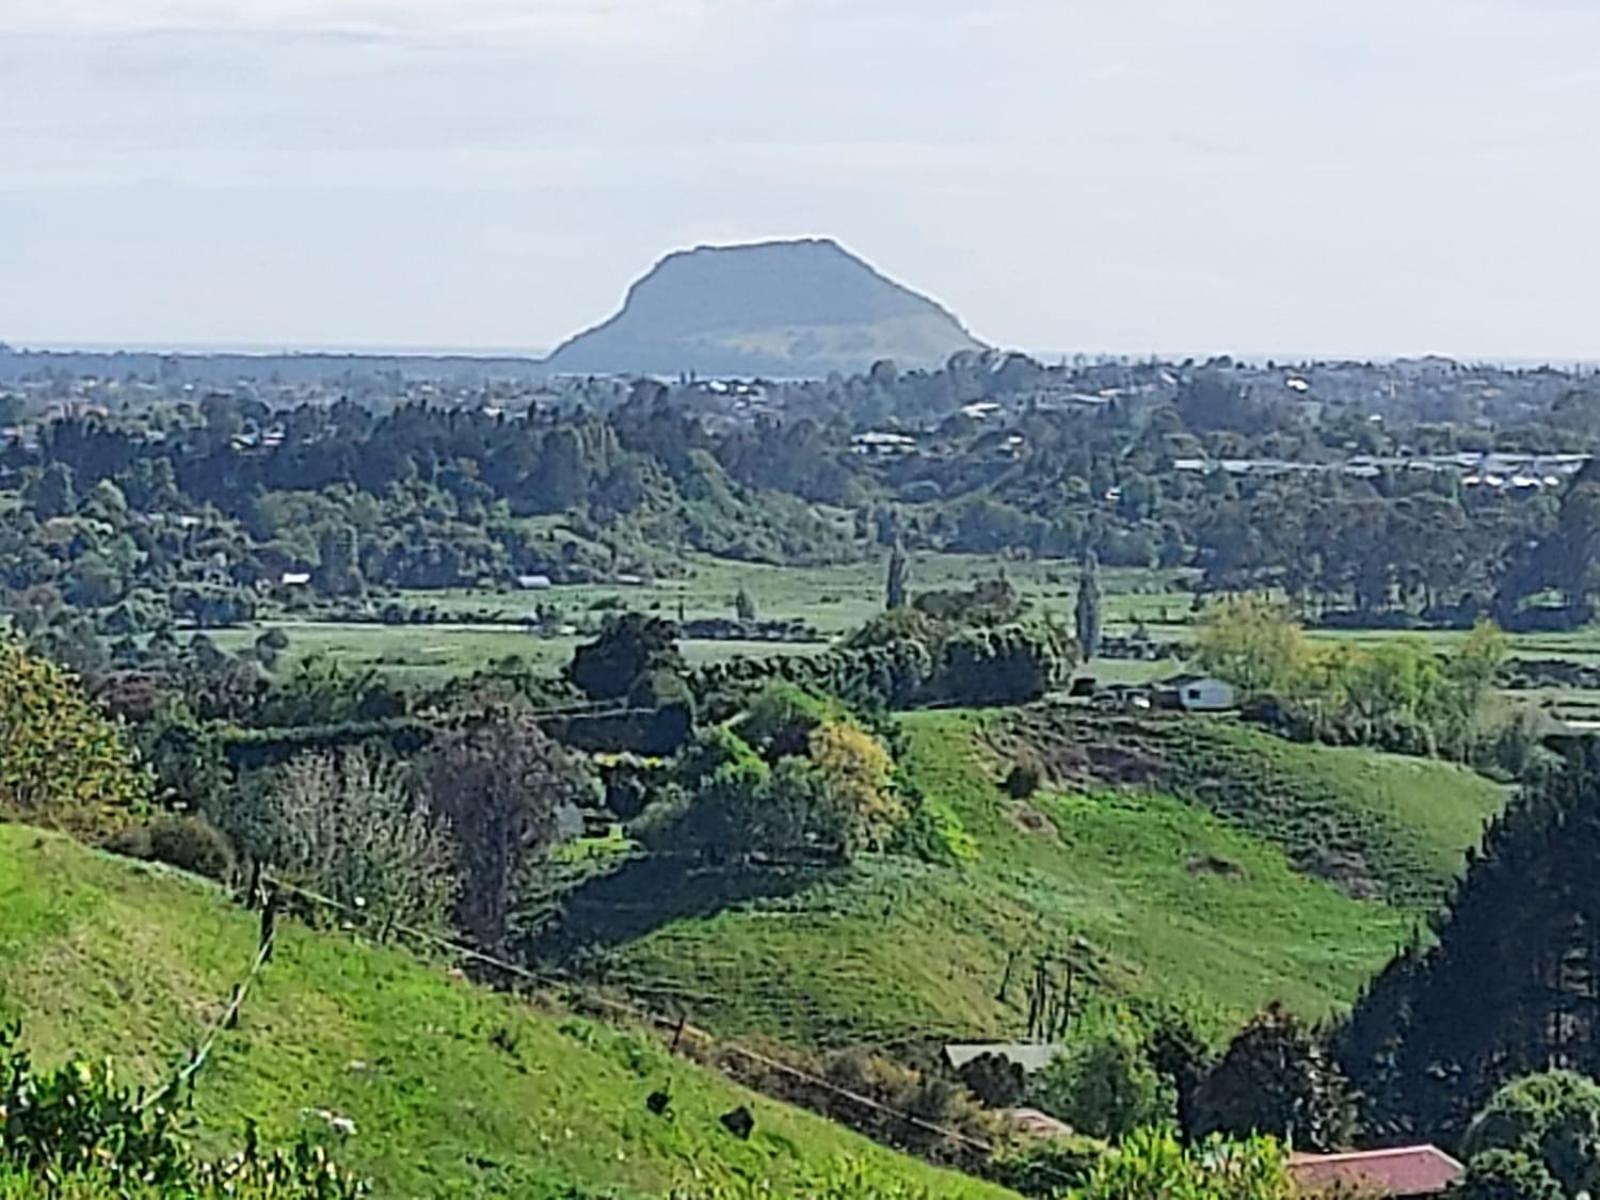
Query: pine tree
{"x": 1088, "y": 609}
{"x": 899, "y": 570}
{"x": 1512, "y": 985}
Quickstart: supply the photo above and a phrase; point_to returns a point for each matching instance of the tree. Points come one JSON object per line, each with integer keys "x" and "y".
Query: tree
{"x": 1181, "y": 1057}
{"x": 51, "y": 493}
{"x": 1008, "y": 665}
{"x": 1087, "y": 611}
{"x": 802, "y": 781}
{"x": 899, "y": 574}
{"x": 1548, "y": 1122}
{"x": 355, "y": 825}
{"x": 1276, "y": 1078}
{"x": 562, "y": 480}
{"x": 338, "y": 573}
{"x": 628, "y": 647}
{"x": 989, "y": 602}
{"x": 1508, "y": 985}
{"x": 857, "y": 774}
{"x": 782, "y": 718}
{"x": 500, "y": 782}
{"x": 1474, "y": 664}
{"x": 107, "y": 502}
{"x": 1103, "y": 1083}
{"x": 62, "y": 763}
{"x": 266, "y": 650}
{"x": 1252, "y": 643}
{"x": 994, "y": 1079}
{"x": 92, "y": 582}
{"x": 728, "y": 814}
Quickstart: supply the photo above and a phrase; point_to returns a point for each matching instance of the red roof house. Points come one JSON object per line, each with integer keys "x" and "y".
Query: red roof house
{"x": 1397, "y": 1174}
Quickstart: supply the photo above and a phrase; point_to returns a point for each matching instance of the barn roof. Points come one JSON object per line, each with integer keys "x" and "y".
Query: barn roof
{"x": 1030, "y": 1056}
{"x": 1185, "y": 678}
{"x": 1404, "y": 1171}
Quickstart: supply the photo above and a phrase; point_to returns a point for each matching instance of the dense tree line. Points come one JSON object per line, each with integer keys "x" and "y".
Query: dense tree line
{"x": 1512, "y": 983}
{"x": 180, "y": 513}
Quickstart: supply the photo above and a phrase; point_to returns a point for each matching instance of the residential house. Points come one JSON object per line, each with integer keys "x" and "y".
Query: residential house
{"x": 1401, "y": 1173}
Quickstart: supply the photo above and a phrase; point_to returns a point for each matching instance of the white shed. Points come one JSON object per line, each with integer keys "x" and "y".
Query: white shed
{"x": 1197, "y": 693}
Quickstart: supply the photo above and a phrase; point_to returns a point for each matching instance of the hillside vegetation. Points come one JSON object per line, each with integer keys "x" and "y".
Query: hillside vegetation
{"x": 1150, "y": 894}
{"x": 452, "y": 1090}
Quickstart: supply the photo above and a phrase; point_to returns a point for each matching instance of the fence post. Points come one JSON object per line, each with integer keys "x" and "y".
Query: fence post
{"x": 269, "y": 924}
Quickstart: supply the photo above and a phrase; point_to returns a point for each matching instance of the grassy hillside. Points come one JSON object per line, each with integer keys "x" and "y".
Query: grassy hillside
{"x": 1373, "y": 824}
{"x": 454, "y": 1091}
{"x": 1152, "y": 897}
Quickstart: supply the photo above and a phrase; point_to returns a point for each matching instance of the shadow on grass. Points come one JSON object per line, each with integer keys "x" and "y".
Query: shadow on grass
{"x": 647, "y": 893}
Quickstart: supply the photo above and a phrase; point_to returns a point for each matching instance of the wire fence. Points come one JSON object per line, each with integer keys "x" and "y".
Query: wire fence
{"x": 632, "y": 1011}
{"x": 269, "y": 888}
{"x": 230, "y": 1016}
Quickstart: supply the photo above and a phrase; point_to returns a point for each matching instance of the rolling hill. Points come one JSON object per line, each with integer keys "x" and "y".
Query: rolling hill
{"x": 453, "y": 1090}
{"x": 778, "y": 309}
{"x": 1192, "y": 884}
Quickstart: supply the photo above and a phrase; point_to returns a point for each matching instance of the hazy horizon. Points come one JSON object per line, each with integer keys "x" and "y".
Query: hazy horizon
{"x": 1284, "y": 358}
{"x": 1370, "y": 179}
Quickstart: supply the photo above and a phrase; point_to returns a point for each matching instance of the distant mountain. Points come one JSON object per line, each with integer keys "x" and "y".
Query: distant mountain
{"x": 780, "y": 309}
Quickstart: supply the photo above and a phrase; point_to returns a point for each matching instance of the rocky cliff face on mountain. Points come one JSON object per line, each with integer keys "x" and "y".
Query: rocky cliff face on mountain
{"x": 780, "y": 309}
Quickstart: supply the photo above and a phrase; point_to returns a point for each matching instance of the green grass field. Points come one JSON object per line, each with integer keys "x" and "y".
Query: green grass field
{"x": 432, "y": 653}
{"x": 836, "y": 598}
{"x": 454, "y": 1091}
{"x": 833, "y": 600}
{"x": 1155, "y": 899}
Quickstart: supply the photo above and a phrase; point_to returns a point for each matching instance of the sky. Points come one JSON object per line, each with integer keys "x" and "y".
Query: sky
{"x": 1365, "y": 177}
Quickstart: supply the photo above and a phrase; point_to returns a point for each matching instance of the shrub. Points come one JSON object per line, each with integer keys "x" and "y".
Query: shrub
{"x": 844, "y": 1180}
{"x": 62, "y": 763}
{"x": 1153, "y": 1165}
{"x": 1022, "y": 781}
{"x": 994, "y": 1079}
{"x": 191, "y": 844}
{"x": 1551, "y": 1122}
{"x": 355, "y": 826}
{"x": 934, "y": 834}
{"x": 1507, "y": 1175}
{"x": 1103, "y": 1083}
{"x": 77, "y": 1124}
{"x": 1046, "y": 1168}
